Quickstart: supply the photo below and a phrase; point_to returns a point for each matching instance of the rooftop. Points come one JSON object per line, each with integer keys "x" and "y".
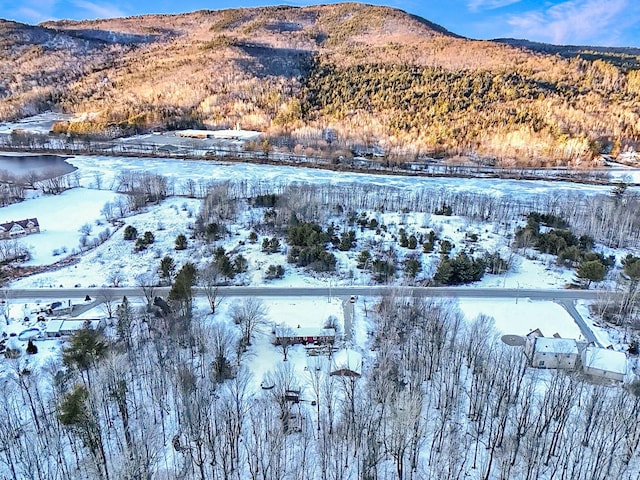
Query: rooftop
{"x": 556, "y": 345}
{"x": 605, "y": 359}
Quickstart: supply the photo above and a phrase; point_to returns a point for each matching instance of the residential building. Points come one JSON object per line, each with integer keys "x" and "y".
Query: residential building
{"x": 18, "y": 228}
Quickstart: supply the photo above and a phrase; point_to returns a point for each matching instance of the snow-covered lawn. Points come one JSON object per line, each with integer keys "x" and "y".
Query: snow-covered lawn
{"x": 60, "y": 218}
{"x": 521, "y": 316}
{"x": 117, "y": 256}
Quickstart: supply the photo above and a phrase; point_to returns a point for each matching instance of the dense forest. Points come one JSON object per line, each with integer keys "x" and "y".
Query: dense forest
{"x": 375, "y": 76}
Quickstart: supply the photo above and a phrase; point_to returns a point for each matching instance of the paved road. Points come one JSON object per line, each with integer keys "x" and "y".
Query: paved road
{"x": 587, "y": 333}
{"x": 348, "y": 309}
{"x": 346, "y": 291}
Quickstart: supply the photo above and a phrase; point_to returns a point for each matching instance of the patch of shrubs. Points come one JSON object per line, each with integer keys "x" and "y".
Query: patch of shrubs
{"x": 274, "y": 271}
{"x": 143, "y": 242}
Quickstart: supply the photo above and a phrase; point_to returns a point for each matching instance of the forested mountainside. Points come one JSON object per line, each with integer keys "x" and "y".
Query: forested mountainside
{"x": 375, "y": 75}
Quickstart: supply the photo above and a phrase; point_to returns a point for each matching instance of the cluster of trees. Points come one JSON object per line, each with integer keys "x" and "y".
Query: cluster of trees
{"x": 466, "y": 110}
{"x": 308, "y": 246}
{"x": 459, "y": 270}
{"x": 144, "y": 241}
{"x": 571, "y": 251}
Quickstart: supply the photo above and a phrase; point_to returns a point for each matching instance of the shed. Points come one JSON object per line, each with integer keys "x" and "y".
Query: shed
{"x": 553, "y": 352}
{"x": 347, "y": 363}
{"x": 604, "y": 363}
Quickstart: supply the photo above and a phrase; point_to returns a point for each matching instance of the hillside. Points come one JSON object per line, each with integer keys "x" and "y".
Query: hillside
{"x": 375, "y": 75}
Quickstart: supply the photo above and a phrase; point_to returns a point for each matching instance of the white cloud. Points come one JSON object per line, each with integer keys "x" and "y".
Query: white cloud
{"x": 575, "y": 22}
{"x": 97, "y": 10}
{"x": 475, "y": 5}
{"x": 30, "y": 15}
{"x": 31, "y": 11}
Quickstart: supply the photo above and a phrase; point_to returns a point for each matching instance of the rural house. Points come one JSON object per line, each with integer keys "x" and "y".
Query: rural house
{"x": 21, "y": 227}
{"x": 304, "y": 335}
{"x": 552, "y": 352}
{"x": 604, "y": 363}
{"x": 68, "y": 326}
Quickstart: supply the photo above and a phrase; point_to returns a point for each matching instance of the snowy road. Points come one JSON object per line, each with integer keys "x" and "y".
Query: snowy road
{"x": 372, "y": 291}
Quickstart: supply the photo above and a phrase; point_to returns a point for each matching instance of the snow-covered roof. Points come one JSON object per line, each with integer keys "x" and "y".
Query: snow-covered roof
{"x": 70, "y": 325}
{"x": 605, "y": 360}
{"x": 220, "y": 134}
{"x": 285, "y": 332}
{"x": 347, "y": 359}
{"x": 556, "y": 345}
{"x": 54, "y": 326}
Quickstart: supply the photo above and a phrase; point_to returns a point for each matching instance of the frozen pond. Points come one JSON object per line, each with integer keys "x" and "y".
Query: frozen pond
{"x": 43, "y": 165}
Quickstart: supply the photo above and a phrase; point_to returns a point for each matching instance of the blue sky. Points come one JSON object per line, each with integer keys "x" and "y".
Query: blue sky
{"x": 576, "y": 22}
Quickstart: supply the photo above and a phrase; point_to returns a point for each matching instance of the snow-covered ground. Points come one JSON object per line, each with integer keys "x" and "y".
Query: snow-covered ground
{"x": 62, "y": 216}
{"x": 521, "y": 316}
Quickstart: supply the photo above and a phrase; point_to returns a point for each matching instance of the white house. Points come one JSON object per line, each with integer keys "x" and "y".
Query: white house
{"x": 20, "y": 227}
{"x": 347, "y": 363}
{"x": 552, "y": 352}
{"x": 604, "y": 363}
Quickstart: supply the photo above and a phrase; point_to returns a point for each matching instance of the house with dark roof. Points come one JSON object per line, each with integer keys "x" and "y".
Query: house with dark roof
{"x": 12, "y": 229}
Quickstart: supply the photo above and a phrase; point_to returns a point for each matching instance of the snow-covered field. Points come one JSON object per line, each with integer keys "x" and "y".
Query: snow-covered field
{"x": 521, "y": 316}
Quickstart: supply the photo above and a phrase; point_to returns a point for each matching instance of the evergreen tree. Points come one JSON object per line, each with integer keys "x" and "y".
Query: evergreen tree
{"x": 76, "y": 414}
{"x": 86, "y": 347}
{"x": 182, "y": 289}
{"x": 130, "y": 232}
{"x": 412, "y": 267}
{"x": 591, "y": 271}
{"x": 124, "y": 320}
{"x": 167, "y": 267}
{"x": 181, "y": 242}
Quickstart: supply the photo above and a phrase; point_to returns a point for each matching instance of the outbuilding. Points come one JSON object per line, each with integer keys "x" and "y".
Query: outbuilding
{"x": 604, "y": 363}
{"x": 346, "y": 363}
{"x": 304, "y": 335}
{"x": 68, "y": 326}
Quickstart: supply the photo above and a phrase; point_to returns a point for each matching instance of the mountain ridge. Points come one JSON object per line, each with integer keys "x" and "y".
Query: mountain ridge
{"x": 513, "y": 100}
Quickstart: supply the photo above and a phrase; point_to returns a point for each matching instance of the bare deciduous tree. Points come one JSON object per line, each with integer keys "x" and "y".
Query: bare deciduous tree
{"x": 210, "y": 279}
{"x": 248, "y": 314}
